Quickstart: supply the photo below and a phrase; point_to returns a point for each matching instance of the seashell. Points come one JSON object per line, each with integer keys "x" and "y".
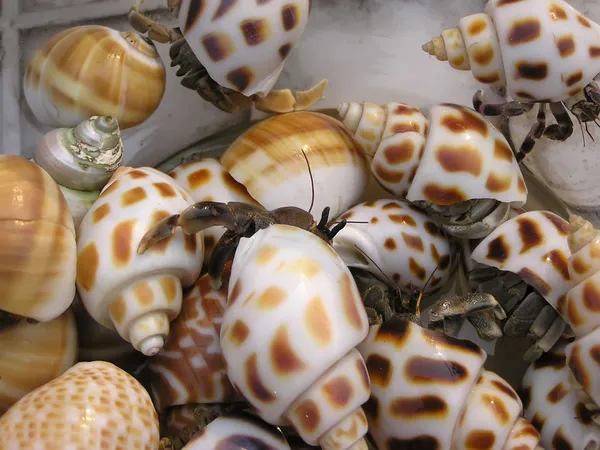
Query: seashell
{"x": 293, "y": 318}
{"x": 92, "y": 405}
{"x": 93, "y": 70}
{"x": 429, "y": 390}
{"x": 553, "y": 406}
{"x": 190, "y": 367}
{"x": 541, "y": 50}
{"x": 207, "y": 180}
{"x": 179, "y": 418}
{"x": 138, "y": 295}
{"x": 238, "y": 432}
{"x": 268, "y": 160}
{"x": 33, "y": 355}
{"x": 37, "y": 242}
{"x": 401, "y": 241}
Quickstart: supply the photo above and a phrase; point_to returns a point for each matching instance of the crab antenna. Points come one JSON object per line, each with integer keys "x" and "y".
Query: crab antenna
{"x": 581, "y": 127}
{"x": 312, "y": 182}
{"x": 588, "y": 132}
{"x": 324, "y": 219}
{"x": 376, "y": 265}
{"x": 335, "y": 230}
{"x": 430, "y": 277}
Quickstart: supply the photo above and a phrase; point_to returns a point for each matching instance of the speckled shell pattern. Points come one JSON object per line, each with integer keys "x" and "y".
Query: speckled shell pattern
{"x": 93, "y": 70}
{"x": 243, "y": 44}
{"x": 267, "y": 159}
{"x": 553, "y": 407}
{"x": 429, "y": 390}
{"x": 533, "y": 245}
{"x": 238, "y": 432}
{"x": 293, "y": 318}
{"x": 401, "y": 240}
{"x": 120, "y": 288}
{"x": 37, "y": 242}
{"x": 92, "y": 405}
{"x": 34, "y": 354}
{"x": 444, "y": 155}
{"x": 207, "y": 180}
{"x": 180, "y": 417}
{"x": 190, "y": 368}
{"x": 541, "y": 50}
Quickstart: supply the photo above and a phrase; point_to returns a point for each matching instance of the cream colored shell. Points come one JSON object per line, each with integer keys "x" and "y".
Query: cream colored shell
{"x": 541, "y": 50}
{"x": 138, "y": 295}
{"x": 292, "y": 320}
{"x": 91, "y": 406}
{"x": 533, "y": 245}
{"x": 34, "y": 354}
{"x": 554, "y": 407}
{"x": 190, "y": 368}
{"x": 429, "y": 390}
{"x": 444, "y": 155}
{"x": 243, "y": 44}
{"x": 93, "y": 70}
{"x": 37, "y": 242}
{"x": 207, "y": 180}
{"x": 402, "y": 242}
{"x": 267, "y": 159}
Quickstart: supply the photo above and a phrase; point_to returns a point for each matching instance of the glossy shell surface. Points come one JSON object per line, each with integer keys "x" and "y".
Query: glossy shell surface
{"x": 533, "y": 245}
{"x": 293, "y": 318}
{"x": 267, "y": 159}
{"x": 402, "y": 241}
{"x": 90, "y": 406}
{"x": 190, "y": 368}
{"x": 243, "y": 44}
{"x": 37, "y": 242}
{"x": 93, "y": 70}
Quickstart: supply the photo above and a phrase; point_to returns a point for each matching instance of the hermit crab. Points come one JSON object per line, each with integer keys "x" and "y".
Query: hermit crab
{"x": 542, "y": 51}
{"x": 449, "y": 161}
{"x": 524, "y": 264}
{"x": 429, "y": 390}
{"x": 232, "y": 52}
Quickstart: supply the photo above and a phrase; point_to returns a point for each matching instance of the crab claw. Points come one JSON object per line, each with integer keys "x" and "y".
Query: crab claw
{"x": 161, "y": 230}
{"x": 285, "y": 100}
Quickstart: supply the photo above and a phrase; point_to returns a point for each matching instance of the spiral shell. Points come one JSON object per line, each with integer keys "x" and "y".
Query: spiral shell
{"x": 138, "y": 295}
{"x": 93, "y": 70}
{"x": 292, "y": 320}
{"x": 243, "y": 45}
{"x": 401, "y": 240}
{"x": 92, "y": 405}
{"x": 37, "y": 242}
{"x": 429, "y": 390}
{"x": 268, "y": 161}
{"x": 32, "y": 355}
{"x": 541, "y": 50}
{"x": 447, "y": 155}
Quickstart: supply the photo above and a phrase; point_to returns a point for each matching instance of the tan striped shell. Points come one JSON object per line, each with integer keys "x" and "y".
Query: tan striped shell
{"x": 93, "y": 70}
{"x": 267, "y": 159}
{"x": 37, "y": 242}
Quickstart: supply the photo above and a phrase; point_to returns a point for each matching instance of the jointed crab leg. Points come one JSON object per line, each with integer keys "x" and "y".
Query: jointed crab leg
{"x": 156, "y": 31}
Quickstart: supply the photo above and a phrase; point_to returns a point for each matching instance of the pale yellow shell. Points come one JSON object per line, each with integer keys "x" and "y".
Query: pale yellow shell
{"x": 91, "y": 406}
{"x": 37, "y": 242}
{"x": 34, "y": 354}
{"x": 93, "y": 70}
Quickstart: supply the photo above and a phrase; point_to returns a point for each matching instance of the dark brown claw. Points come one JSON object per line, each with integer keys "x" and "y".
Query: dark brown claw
{"x": 161, "y": 230}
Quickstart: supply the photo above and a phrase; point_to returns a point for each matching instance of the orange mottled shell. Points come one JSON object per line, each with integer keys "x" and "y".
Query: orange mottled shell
{"x": 94, "y": 71}
{"x": 37, "y": 242}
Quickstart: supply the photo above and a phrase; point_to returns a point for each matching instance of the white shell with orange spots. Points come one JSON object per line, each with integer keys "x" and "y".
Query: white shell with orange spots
{"x": 444, "y": 155}
{"x": 429, "y": 390}
{"x": 138, "y": 295}
{"x": 533, "y": 245}
{"x": 293, "y": 318}
{"x": 238, "y": 432}
{"x": 402, "y": 242}
{"x": 91, "y": 406}
{"x": 553, "y": 407}
{"x": 243, "y": 44}
{"x": 541, "y": 50}
{"x": 207, "y": 180}
{"x": 190, "y": 368}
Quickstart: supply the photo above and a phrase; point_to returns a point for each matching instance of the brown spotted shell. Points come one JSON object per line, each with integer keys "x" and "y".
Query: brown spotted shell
{"x": 92, "y": 405}
{"x": 37, "y": 242}
{"x": 429, "y": 390}
{"x": 243, "y": 44}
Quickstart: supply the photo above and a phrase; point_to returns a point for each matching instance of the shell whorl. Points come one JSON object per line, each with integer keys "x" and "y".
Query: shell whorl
{"x": 581, "y": 233}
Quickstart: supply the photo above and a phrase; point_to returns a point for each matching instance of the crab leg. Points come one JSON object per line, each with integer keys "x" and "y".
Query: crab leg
{"x": 223, "y": 253}
{"x": 156, "y": 31}
{"x": 284, "y": 101}
{"x": 508, "y": 109}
